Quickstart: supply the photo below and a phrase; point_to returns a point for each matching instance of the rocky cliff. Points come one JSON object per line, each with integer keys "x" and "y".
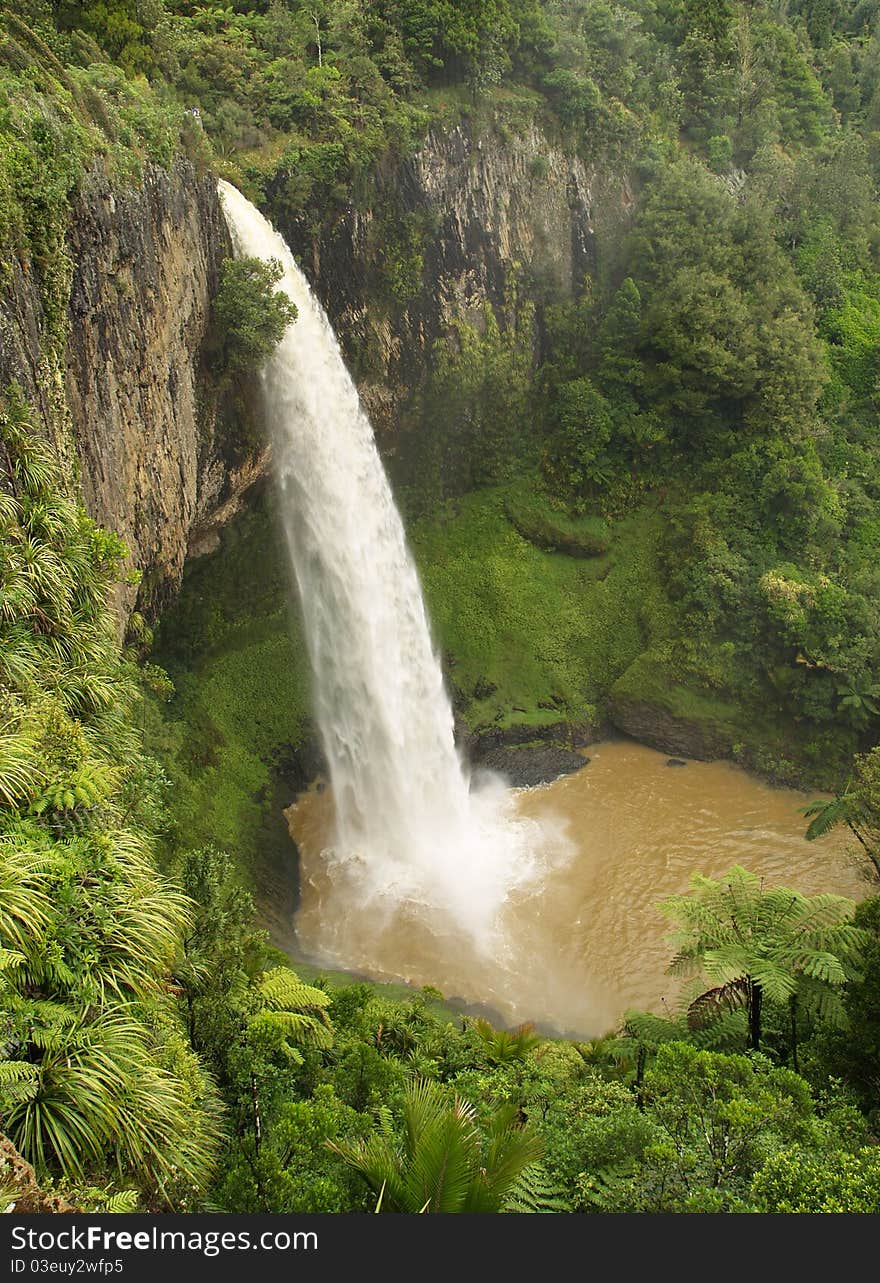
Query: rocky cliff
{"x": 127, "y": 383}
{"x": 476, "y": 211}
{"x": 146, "y": 262}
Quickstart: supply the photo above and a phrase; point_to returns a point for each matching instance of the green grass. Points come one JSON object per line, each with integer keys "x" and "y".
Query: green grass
{"x": 551, "y": 632}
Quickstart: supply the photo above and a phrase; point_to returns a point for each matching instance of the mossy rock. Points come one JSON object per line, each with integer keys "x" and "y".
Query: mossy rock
{"x": 651, "y": 706}
{"x": 534, "y": 637}
{"x": 531, "y": 514}
{"x": 655, "y": 707}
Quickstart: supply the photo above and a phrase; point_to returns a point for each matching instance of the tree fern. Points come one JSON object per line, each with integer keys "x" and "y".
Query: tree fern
{"x": 300, "y": 1010}
{"x": 755, "y": 942}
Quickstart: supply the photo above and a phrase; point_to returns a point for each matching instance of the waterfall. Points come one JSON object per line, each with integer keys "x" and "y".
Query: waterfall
{"x": 409, "y": 829}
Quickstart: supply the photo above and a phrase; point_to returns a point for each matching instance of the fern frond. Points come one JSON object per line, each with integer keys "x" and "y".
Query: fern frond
{"x": 536, "y": 1191}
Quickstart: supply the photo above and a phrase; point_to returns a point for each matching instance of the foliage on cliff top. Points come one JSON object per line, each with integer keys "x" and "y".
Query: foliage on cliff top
{"x": 306, "y": 98}
{"x": 64, "y": 108}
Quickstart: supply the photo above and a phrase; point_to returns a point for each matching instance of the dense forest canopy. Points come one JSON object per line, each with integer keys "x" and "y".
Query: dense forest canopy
{"x": 720, "y": 369}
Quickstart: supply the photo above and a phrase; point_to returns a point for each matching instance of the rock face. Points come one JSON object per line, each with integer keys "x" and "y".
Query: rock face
{"x": 494, "y": 210}
{"x": 19, "y": 1188}
{"x": 146, "y": 265}
{"x": 650, "y": 723}
{"x": 130, "y": 388}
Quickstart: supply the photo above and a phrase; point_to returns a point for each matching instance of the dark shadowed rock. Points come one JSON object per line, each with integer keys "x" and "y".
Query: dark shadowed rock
{"x": 529, "y": 767}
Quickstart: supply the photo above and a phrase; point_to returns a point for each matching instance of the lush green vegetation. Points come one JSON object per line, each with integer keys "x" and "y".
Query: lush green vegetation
{"x": 239, "y": 716}
{"x": 97, "y": 1075}
{"x": 665, "y": 490}
{"x": 721, "y": 366}
{"x": 532, "y": 634}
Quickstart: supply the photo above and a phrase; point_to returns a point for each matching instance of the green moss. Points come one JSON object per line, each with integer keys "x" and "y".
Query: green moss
{"x": 549, "y": 526}
{"x": 232, "y": 647}
{"x": 550, "y": 632}
{"x": 649, "y": 681}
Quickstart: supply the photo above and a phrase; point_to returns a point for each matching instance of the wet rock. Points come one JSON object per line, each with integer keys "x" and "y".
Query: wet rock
{"x": 566, "y": 735}
{"x": 664, "y": 730}
{"x": 529, "y": 767}
{"x": 498, "y": 205}
{"x": 675, "y": 761}
{"x": 25, "y": 1195}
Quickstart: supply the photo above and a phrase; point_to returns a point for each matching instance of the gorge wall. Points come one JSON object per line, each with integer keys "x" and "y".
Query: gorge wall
{"x": 487, "y": 208}
{"x": 121, "y": 381}
{"x": 492, "y": 206}
{"x": 146, "y": 264}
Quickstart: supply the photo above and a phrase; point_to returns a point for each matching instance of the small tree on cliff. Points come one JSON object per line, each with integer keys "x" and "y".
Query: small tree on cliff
{"x": 756, "y": 942}
{"x": 250, "y": 315}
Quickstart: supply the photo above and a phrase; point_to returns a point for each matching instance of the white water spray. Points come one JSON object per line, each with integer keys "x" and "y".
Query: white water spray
{"x": 410, "y": 832}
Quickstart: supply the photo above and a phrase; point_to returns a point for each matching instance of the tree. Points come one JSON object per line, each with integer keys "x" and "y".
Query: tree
{"x": 222, "y": 951}
{"x": 581, "y": 430}
{"x": 798, "y": 1180}
{"x": 858, "y": 699}
{"x": 294, "y": 1170}
{"x": 852, "y": 1054}
{"x": 250, "y": 314}
{"x": 87, "y": 933}
{"x": 123, "y": 27}
{"x": 444, "y": 1162}
{"x": 707, "y": 1124}
{"x": 758, "y": 942}
{"x": 726, "y": 330}
{"x": 716, "y": 1116}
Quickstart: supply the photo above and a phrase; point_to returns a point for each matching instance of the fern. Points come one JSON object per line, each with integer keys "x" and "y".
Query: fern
{"x": 18, "y": 1081}
{"x": 536, "y": 1191}
{"x": 506, "y": 1044}
{"x": 606, "y": 1190}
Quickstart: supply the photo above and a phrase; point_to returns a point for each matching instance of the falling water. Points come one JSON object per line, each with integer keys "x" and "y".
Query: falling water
{"x": 411, "y": 835}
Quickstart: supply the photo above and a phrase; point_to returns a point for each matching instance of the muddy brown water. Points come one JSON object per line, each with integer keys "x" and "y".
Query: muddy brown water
{"x": 589, "y": 941}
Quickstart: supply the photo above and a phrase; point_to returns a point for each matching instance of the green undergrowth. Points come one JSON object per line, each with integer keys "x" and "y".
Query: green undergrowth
{"x": 551, "y": 527}
{"x": 427, "y": 998}
{"x": 549, "y": 632}
{"x": 239, "y": 714}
